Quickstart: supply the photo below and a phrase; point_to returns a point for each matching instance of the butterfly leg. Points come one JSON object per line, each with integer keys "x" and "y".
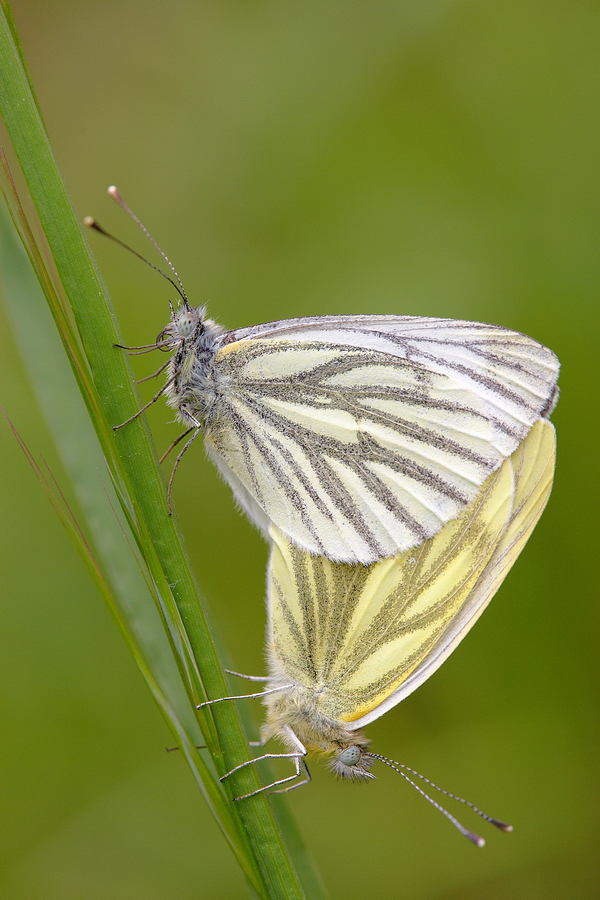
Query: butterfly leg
{"x": 155, "y": 374}
{"x": 174, "y": 443}
{"x": 292, "y": 787}
{"x": 298, "y": 758}
{"x": 300, "y": 764}
{"x": 142, "y": 349}
{"x": 150, "y": 402}
{"x": 176, "y": 464}
{"x": 248, "y": 677}
{"x": 284, "y": 687}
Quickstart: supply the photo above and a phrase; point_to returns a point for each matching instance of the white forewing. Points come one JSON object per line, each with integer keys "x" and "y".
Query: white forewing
{"x": 361, "y": 436}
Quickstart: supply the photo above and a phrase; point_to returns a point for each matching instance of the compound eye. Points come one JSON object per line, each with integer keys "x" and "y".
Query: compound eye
{"x": 351, "y": 756}
{"x": 186, "y": 323}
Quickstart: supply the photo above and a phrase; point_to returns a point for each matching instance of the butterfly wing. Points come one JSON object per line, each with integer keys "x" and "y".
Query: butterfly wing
{"x": 361, "y": 436}
{"x": 364, "y": 637}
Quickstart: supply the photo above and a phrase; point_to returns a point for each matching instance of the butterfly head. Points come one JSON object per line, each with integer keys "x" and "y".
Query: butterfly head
{"x": 187, "y": 324}
{"x": 351, "y": 761}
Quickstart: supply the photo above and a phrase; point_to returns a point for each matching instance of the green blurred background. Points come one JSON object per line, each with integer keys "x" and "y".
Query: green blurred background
{"x": 302, "y": 158}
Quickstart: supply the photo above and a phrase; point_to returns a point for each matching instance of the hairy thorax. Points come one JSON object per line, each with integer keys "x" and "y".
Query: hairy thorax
{"x": 298, "y": 707}
{"x": 193, "y": 383}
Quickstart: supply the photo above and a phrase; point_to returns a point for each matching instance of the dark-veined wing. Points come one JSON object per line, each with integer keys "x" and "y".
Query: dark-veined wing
{"x": 362, "y": 436}
{"x": 361, "y": 638}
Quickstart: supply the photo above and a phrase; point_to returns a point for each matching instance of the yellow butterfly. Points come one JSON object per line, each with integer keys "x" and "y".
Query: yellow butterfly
{"x": 347, "y": 643}
{"x": 358, "y": 437}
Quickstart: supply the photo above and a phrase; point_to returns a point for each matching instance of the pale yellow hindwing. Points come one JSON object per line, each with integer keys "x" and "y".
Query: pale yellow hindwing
{"x": 364, "y": 637}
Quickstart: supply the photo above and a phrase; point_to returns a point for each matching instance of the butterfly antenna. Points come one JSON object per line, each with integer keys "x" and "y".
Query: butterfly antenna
{"x": 90, "y": 222}
{"x": 116, "y": 196}
{"x": 470, "y": 835}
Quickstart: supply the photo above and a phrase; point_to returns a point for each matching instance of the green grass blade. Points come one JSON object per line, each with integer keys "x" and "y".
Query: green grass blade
{"x": 111, "y": 397}
{"x": 128, "y": 595}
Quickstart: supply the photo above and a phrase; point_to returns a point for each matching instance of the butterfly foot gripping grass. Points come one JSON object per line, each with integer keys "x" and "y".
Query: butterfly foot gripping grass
{"x": 358, "y": 437}
{"x": 346, "y": 643}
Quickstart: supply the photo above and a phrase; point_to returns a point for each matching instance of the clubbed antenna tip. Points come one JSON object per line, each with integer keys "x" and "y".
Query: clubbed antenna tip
{"x": 474, "y": 838}
{"x": 470, "y": 835}
{"x": 90, "y": 222}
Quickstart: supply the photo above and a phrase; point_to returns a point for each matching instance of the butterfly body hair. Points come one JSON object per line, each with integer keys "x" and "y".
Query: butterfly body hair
{"x": 192, "y": 386}
{"x": 296, "y": 708}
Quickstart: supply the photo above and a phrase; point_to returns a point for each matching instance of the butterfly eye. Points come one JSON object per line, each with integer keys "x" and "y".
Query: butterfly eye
{"x": 350, "y": 756}
{"x": 186, "y": 323}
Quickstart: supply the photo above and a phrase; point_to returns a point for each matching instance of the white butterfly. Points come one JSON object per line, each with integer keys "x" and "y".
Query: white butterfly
{"x": 346, "y": 643}
{"x": 359, "y": 437}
